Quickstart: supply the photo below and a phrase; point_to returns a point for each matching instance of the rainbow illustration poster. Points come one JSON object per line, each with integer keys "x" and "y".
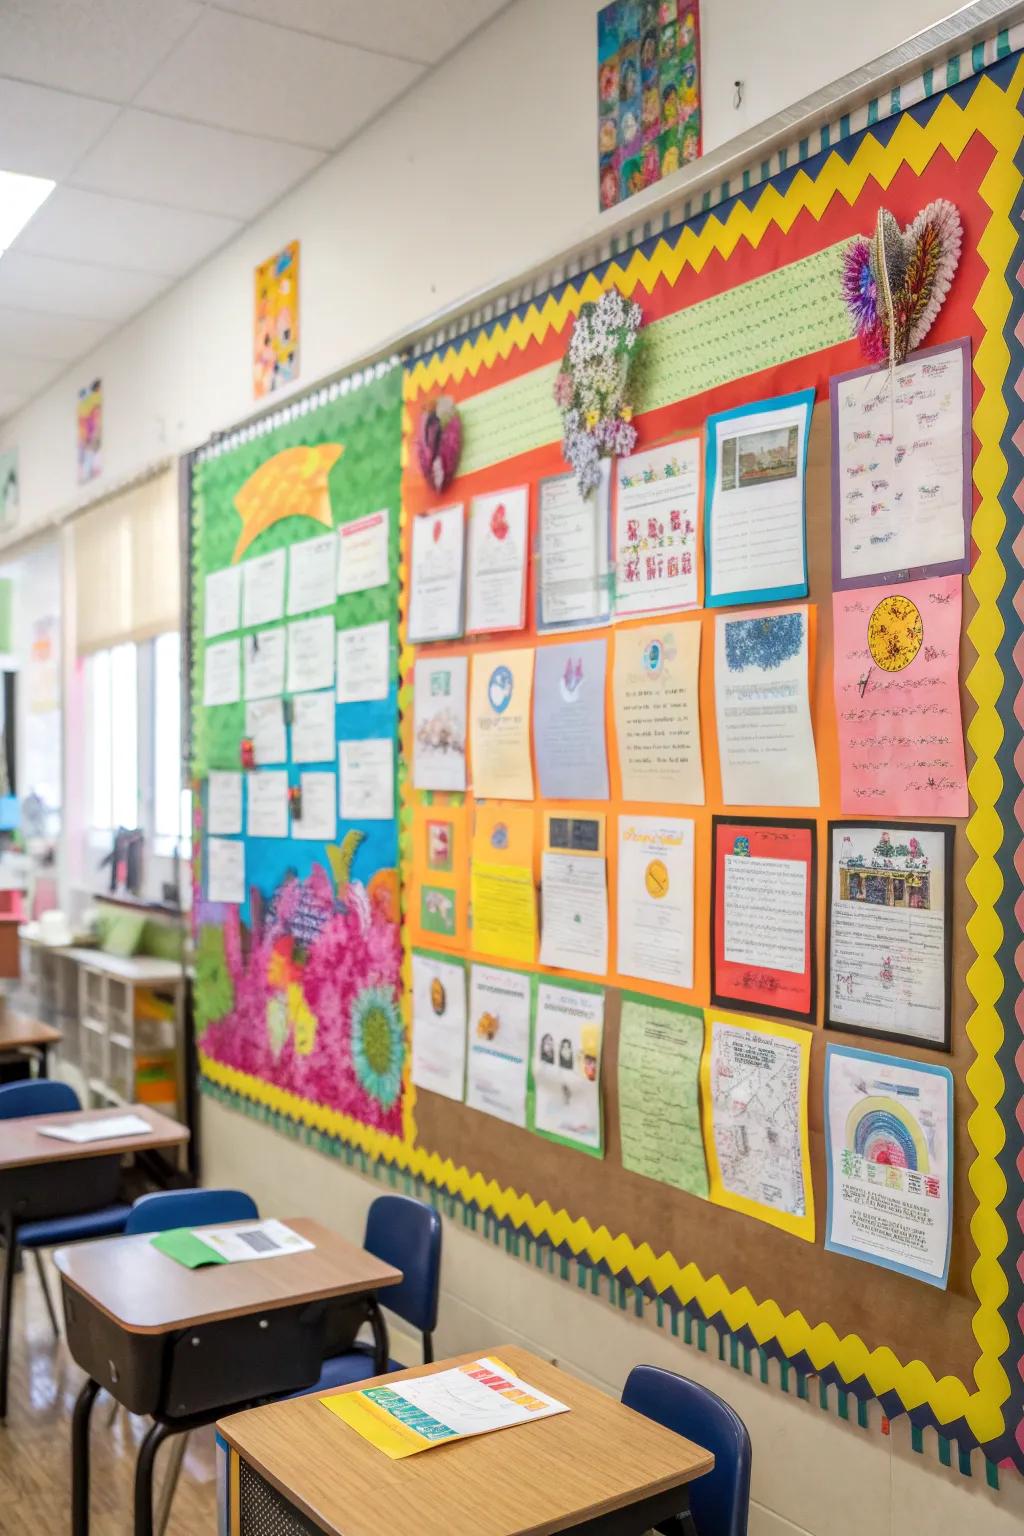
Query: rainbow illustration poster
{"x": 889, "y": 1144}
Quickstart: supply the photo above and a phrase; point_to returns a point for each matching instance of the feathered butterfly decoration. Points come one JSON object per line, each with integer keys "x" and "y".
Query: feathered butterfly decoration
{"x": 439, "y": 442}
{"x": 895, "y": 281}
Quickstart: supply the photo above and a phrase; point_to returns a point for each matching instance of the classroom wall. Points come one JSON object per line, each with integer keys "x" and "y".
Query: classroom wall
{"x": 484, "y": 169}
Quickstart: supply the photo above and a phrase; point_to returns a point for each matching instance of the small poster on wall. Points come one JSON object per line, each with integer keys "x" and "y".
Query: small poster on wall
{"x": 90, "y": 431}
{"x": 9, "y": 496}
{"x": 275, "y": 356}
{"x": 648, "y": 93}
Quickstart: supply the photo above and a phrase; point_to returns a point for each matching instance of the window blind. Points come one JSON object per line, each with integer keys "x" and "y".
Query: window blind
{"x": 126, "y": 565}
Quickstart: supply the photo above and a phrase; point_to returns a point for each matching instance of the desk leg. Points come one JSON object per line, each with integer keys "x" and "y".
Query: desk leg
{"x": 80, "y": 1457}
{"x": 144, "y": 1467}
{"x": 6, "y": 1303}
{"x": 381, "y": 1343}
{"x": 44, "y": 1061}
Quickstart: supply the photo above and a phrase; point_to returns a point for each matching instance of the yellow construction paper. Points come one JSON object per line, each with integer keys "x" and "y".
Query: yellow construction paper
{"x": 501, "y": 685}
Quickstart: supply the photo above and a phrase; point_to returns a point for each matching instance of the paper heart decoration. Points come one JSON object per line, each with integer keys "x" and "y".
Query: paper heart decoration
{"x": 895, "y": 281}
{"x": 439, "y": 442}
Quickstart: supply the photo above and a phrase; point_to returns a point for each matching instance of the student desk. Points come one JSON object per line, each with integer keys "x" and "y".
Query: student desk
{"x": 296, "y": 1470}
{"x": 19, "y": 1035}
{"x": 184, "y": 1345}
{"x": 33, "y": 1186}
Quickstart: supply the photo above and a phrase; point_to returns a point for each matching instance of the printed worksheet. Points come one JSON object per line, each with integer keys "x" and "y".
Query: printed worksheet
{"x": 364, "y": 663}
{"x": 439, "y": 722}
{"x": 225, "y": 870}
{"x": 439, "y": 1025}
{"x": 657, "y": 520}
{"x": 313, "y": 737}
{"x": 367, "y": 770}
{"x": 267, "y": 803}
{"x": 496, "y": 561}
{"x": 311, "y": 645}
{"x": 311, "y": 574}
{"x": 264, "y": 663}
{"x": 573, "y": 574}
{"x": 221, "y": 673}
{"x": 263, "y": 588}
{"x": 655, "y": 899}
{"x": 264, "y": 726}
{"x": 500, "y": 1004}
{"x": 224, "y": 803}
{"x": 435, "y": 575}
{"x": 317, "y": 818}
{"x": 567, "y": 1066}
{"x": 364, "y": 554}
{"x": 765, "y": 741}
{"x": 657, "y": 713}
{"x": 222, "y": 599}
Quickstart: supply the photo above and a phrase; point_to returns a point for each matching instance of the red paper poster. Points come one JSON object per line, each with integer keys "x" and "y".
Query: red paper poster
{"x": 763, "y": 905}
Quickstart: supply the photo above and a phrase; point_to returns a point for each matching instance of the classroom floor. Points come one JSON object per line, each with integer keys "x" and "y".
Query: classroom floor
{"x": 35, "y": 1445}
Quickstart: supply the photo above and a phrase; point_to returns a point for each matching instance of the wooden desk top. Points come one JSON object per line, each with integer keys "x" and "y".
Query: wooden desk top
{"x": 535, "y": 1478}
{"x": 17, "y": 1032}
{"x": 21, "y": 1142}
{"x": 145, "y": 1291}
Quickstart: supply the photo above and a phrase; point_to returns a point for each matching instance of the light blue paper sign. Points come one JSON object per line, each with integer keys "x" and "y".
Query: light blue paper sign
{"x": 568, "y": 720}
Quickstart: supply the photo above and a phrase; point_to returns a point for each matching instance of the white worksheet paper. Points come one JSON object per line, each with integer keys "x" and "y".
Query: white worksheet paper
{"x": 574, "y": 578}
{"x": 224, "y": 803}
{"x": 255, "y": 1240}
{"x": 311, "y": 653}
{"x": 222, "y": 601}
{"x": 363, "y": 562}
{"x": 765, "y": 741}
{"x": 319, "y": 820}
{"x": 364, "y": 663}
{"x": 263, "y": 588}
{"x": 267, "y": 797}
{"x": 756, "y": 540}
{"x": 657, "y": 518}
{"x": 311, "y": 574}
{"x": 496, "y": 561}
{"x": 221, "y": 673}
{"x": 107, "y": 1129}
{"x": 225, "y": 870}
{"x": 574, "y": 905}
{"x": 499, "y": 1042}
{"x": 655, "y": 899}
{"x": 435, "y": 575}
{"x": 367, "y": 771}
{"x": 313, "y": 738}
{"x": 438, "y": 1025}
{"x": 264, "y": 663}
{"x": 264, "y": 725}
{"x": 439, "y": 722}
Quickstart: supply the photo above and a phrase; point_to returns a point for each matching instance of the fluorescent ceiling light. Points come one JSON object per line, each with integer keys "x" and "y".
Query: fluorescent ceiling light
{"x": 20, "y": 197}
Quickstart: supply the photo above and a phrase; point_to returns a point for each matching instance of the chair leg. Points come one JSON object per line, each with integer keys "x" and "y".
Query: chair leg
{"x": 175, "y": 1457}
{"x": 155, "y": 1438}
{"x": 6, "y": 1303}
{"x": 41, "y": 1272}
{"x": 381, "y": 1346}
{"x": 428, "y": 1347}
{"x": 80, "y": 1457}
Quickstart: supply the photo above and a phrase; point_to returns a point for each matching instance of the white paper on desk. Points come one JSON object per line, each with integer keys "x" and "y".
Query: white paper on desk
{"x": 264, "y": 725}
{"x": 311, "y": 574}
{"x": 313, "y": 727}
{"x": 224, "y": 803}
{"x": 319, "y": 820}
{"x": 98, "y": 1130}
{"x": 367, "y": 771}
{"x": 263, "y": 589}
{"x": 363, "y": 554}
{"x": 264, "y": 663}
{"x": 311, "y": 653}
{"x": 268, "y": 803}
{"x": 225, "y": 870}
{"x": 255, "y": 1240}
{"x": 222, "y": 601}
{"x": 435, "y": 575}
{"x": 221, "y": 673}
{"x": 765, "y": 739}
{"x": 364, "y": 663}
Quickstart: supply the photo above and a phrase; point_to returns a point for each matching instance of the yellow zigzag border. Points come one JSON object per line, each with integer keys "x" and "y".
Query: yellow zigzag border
{"x": 994, "y": 114}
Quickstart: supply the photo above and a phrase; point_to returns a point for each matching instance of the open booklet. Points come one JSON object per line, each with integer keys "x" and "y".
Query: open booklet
{"x": 195, "y": 1247}
{"x": 107, "y": 1129}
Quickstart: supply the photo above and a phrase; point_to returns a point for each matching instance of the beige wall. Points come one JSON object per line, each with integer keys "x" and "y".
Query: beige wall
{"x": 812, "y": 1472}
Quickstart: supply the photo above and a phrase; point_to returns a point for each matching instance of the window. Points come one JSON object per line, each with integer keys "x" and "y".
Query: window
{"x": 172, "y": 805}
{"x": 112, "y": 688}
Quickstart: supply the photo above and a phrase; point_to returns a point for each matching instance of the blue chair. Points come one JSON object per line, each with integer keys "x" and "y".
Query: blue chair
{"x": 406, "y": 1233}
{"x": 84, "y": 1190}
{"x": 189, "y": 1208}
{"x": 720, "y": 1500}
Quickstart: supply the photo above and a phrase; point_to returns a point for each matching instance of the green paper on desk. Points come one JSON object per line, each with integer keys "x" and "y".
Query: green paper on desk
{"x": 186, "y": 1248}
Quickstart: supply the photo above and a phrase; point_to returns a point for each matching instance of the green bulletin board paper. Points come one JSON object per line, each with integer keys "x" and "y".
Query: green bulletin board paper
{"x": 788, "y": 313}
{"x": 182, "y": 1245}
{"x": 660, "y": 1047}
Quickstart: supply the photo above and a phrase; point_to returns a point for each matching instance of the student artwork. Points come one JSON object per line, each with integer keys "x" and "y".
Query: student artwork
{"x": 275, "y": 326}
{"x": 657, "y": 515}
{"x": 657, "y": 713}
{"x": 889, "y": 1150}
{"x": 763, "y": 905}
{"x": 496, "y": 561}
{"x": 500, "y": 1013}
{"x": 592, "y": 386}
{"x": 660, "y": 1047}
{"x": 655, "y": 899}
{"x": 439, "y": 701}
{"x": 435, "y": 575}
{"x": 574, "y": 578}
{"x": 439, "y": 1024}
{"x": 896, "y": 656}
{"x": 568, "y": 720}
{"x": 438, "y": 893}
{"x": 901, "y": 451}
{"x": 439, "y": 442}
{"x": 765, "y": 741}
{"x": 890, "y": 938}
{"x": 649, "y": 109}
{"x": 565, "y": 1085}
{"x": 89, "y": 435}
{"x": 896, "y": 281}
{"x": 292, "y": 483}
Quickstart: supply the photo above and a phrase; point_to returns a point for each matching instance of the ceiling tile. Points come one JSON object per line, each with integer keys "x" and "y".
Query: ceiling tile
{"x": 75, "y": 288}
{"x": 408, "y": 29}
{"x": 259, "y": 79}
{"x": 184, "y": 164}
{"x": 104, "y": 48}
{"x": 115, "y": 232}
{"x": 61, "y": 338}
{"x": 26, "y": 375}
{"x": 43, "y": 132}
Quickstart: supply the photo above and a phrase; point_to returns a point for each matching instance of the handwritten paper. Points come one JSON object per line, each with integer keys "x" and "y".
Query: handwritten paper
{"x": 264, "y": 663}
{"x": 364, "y": 663}
{"x": 657, "y": 713}
{"x": 568, "y": 720}
{"x": 263, "y": 588}
{"x": 311, "y": 645}
{"x": 567, "y": 1066}
{"x": 223, "y": 596}
{"x": 660, "y": 1047}
{"x": 225, "y": 870}
{"x": 656, "y": 529}
{"x": 435, "y": 575}
{"x": 438, "y": 1025}
{"x": 313, "y": 727}
{"x": 318, "y": 821}
{"x": 502, "y": 893}
{"x": 500, "y": 686}
{"x": 264, "y": 726}
{"x": 889, "y": 937}
{"x": 267, "y": 799}
{"x": 221, "y": 673}
{"x": 765, "y": 741}
{"x": 364, "y": 554}
{"x": 224, "y": 803}
{"x": 762, "y": 956}
{"x": 573, "y": 576}
{"x": 901, "y": 496}
{"x": 311, "y": 573}
{"x": 655, "y": 899}
{"x": 889, "y": 1145}
{"x": 757, "y": 467}
{"x": 496, "y": 561}
{"x": 499, "y": 1042}
{"x": 439, "y": 722}
{"x": 574, "y": 895}
{"x": 367, "y": 770}
{"x": 896, "y": 656}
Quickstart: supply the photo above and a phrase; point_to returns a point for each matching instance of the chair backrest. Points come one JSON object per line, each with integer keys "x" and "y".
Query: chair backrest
{"x": 189, "y": 1208}
{"x": 407, "y": 1233}
{"x": 720, "y": 1500}
{"x": 37, "y": 1096}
